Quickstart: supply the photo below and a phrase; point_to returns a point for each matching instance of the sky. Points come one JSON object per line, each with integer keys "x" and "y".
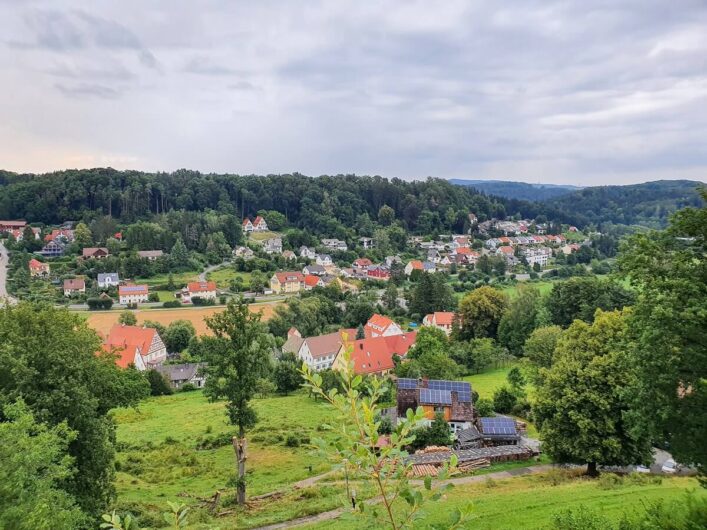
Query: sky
{"x": 584, "y": 93}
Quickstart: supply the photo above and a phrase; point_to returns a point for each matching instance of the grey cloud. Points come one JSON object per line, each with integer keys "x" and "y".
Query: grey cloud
{"x": 84, "y": 90}
{"x": 205, "y": 66}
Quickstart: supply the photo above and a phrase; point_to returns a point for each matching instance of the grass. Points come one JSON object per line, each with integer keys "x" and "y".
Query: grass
{"x": 159, "y": 458}
{"x": 487, "y": 382}
{"x": 166, "y": 296}
{"x": 179, "y": 278}
{"x": 225, "y": 275}
{"x": 544, "y": 286}
{"x": 262, "y": 236}
{"x": 530, "y": 502}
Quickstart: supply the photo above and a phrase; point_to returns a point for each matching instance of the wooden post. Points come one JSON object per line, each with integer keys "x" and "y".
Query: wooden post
{"x": 240, "y": 446}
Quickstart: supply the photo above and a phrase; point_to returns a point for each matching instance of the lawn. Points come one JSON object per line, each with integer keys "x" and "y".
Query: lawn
{"x": 165, "y": 296}
{"x": 544, "y": 286}
{"x": 225, "y": 275}
{"x": 180, "y": 278}
{"x": 487, "y": 382}
{"x": 182, "y": 444}
{"x": 529, "y": 502}
{"x": 262, "y": 236}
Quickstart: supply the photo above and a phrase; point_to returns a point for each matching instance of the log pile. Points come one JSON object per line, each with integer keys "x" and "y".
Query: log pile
{"x": 424, "y": 470}
{"x": 473, "y": 465}
{"x": 433, "y": 449}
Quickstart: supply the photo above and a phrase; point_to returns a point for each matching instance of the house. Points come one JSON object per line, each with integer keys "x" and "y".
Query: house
{"x": 202, "y": 290}
{"x": 6, "y": 226}
{"x": 381, "y": 326}
{"x": 307, "y": 252}
{"x": 53, "y": 249}
{"x": 108, "y": 279}
{"x": 273, "y": 246}
{"x": 360, "y": 266}
{"x": 392, "y": 260}
{"x": 428, "y": 266}
{"x": 376, "y": 272}
{"x": 294, "y": 341}
{"x": 508, "y": 253}
{"x": 74, "y": 286}
{"x": 259, "y": 225}
{"x": 539, "y": 255}
{"x": 289, "y": 255}
{"x": 311, "y": 281}
{"x": 127, "y": 355}
{"x": 133, "y": 294}
{"x": 461, "y": 241}
{"x": 320, "y": 352}
{"x": 65, "y": 234}
{"x": 374, "y": 355}
{"x": 95, "y": 253}
{"x": 247, "y": 225}
{"x": 317, "y": 270}
{"x": 433, "y": 255}
{"x": 37, "y": 269}
{"x": 243, "y": 252}
{"x": 440, "y": 320}
{"x": 366, "y": 242}
{"x": 150, "y": 255}
{"x": 450, "y": 398}
{"x": 413, "y": 265}
{"x": 118, "y": 236}
{"x": 335, "y": 244}
{"x": 147, "y": 340}
{"x": 324, "y": 260}
{"x": 179, "y": 375}
{"x": 569, "y": 249}
{"x": 19, "y": 235}
{"x": 287, "y": 282}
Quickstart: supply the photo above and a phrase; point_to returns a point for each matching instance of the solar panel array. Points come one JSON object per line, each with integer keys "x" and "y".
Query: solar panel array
{"x": 501, "y": 426}
{"x": 435, "y": 397}
{"x": 459, "y": 386}
{"x": 407, "y": 383}
{"x": 130, "y": 288}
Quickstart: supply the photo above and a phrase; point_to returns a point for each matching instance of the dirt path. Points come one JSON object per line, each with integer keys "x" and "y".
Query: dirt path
{"x": 333, "y": 514}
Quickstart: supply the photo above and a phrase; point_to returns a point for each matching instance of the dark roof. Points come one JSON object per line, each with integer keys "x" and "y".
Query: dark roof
{"x": 468, "y": 435}
{"x": 180, "y": 372}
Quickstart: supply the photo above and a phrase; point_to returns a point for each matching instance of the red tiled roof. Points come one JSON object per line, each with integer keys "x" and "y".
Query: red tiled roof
{"x": 416, "y": 264}
{"x": 258, "y": 220}
{"x": 311, "y": 280}
{"x": 504, "y": 239}
{"x": 463, "y": 250}
{"x": 286, "y": 277}
{"x": 441, "y": 318}
{"x": 372, "y": 355}
{"x": 201, "y": 287}
{"x": 136, "y": 336}
{"x": 74, "y": 284}
{"x": 506, "y": 250}
{"x": 126, "y": 353}
{"x": 246, "y": 221}
{"x": 362, "y": 262}
{"x": 36, "y": 264}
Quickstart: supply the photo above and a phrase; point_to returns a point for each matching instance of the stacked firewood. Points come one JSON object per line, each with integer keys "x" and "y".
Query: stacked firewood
{"x": 473, "y": 465}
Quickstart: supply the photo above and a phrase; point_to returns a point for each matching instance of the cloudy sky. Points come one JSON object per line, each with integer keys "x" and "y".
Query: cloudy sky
{"x": 564, "y": 92}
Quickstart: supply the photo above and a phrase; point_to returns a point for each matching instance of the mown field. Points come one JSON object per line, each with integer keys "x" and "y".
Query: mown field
{"x": 530, "y": 502}
{"x": 103, "y": 321}
{"x": 225, "y": 275}
{"x": 487, "y": 382}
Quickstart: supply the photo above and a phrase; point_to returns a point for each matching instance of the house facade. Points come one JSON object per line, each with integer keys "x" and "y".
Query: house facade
{"x": 203, "y": 290}
{"x": 133, "y": 294}
{"x": 287, "y": 282}
{"x": 273, "y": 246}
{"x": 179, "y": 375}
{"x": 452, "y": 399}
{"x": 108, "y": 279}
{"x": 441, "y": 320}
{"x": 319, "y": 353}
{"x": 147, "y": 340}
{"x": 53, "y": 249}
{"x": 150, "y": 255}
{"x": 374, "y": 355}
{"x": 95, "y": 253}
{"x": 37, "y": 269}
{"x": 74, "y": 286}
{"x": 381, "y": 326}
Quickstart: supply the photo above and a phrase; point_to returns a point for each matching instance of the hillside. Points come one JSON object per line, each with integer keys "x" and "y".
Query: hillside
{"x": 648, "y": 204}
{"x": 517, "y": 190}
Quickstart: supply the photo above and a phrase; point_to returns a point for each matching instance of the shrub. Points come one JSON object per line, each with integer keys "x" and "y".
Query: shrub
{"x": 609, "y": 481}
{"x": 522, "y": 408}
{"x": 581, "y": 518}
{"x": 386, "y": 425}
{"x": 99, "y": 303}
{"x": 292, "y": 441}
{"x": 187, "y": 387}
{"x": 504, "y": 400}
{"x": 158, "y": 384}
{"x": 172, "y": 303}
{"x": 198, "y": 301}
{"x": 484, "y": 407}
{"x": 153, "y": 297}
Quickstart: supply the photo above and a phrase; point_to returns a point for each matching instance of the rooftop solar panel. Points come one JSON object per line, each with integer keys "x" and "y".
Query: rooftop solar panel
{"x": 498, "y": 426}
{"x": 464, "y": 397}
{"x": 407, "y": 383}
{"x": 435, "y": 397}
{"x": 458, "y": 386}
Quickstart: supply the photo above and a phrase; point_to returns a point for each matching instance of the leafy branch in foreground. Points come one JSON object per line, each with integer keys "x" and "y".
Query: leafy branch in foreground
{"x": 385, "y": 465}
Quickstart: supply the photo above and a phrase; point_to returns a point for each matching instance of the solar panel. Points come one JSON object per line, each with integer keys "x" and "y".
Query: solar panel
{"x": 464, "y": 397}
{"x": 498, "y": 426}
{"x": 435, "y": 397}
{"x": 407, "y": 383}
{"x": 458, "y": 386}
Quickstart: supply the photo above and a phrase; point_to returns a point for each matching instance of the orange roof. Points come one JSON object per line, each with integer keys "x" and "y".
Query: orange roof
{"x": 506, "y": 250}
{"x": 375, "y": 354}
{"x": 379, "y": 321}
{"x": 416, "y": 264}
{"x": 463, "y": 250}
{"x": 201, "y": 287}
{"x": 246, "y": 221}
{"x": 286, "y": 277}
{"x": 126, "y": 353}
{"x": 311, "y": 280}
{"x": 504, "y": 239}
{"x": 36, "y": 265}
{"x": 137, "y": 336}
{"x": 258, "y": 220}
{"x": 443, "y": 318}
{"x": 362, "y": 262}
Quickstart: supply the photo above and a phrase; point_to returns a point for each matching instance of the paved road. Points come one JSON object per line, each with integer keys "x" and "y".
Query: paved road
{"x": 4, "y": 261}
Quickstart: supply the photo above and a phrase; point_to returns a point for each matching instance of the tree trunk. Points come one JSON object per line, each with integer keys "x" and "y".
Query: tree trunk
{"x": 240, "y": 446}
{"x": 592, "y": 469}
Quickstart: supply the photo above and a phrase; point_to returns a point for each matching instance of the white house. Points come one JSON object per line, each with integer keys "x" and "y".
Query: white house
{"x": 307, "y": 252}
{"x": 203, "y": 290}
{"x": 324, "y": 260}
{"x": 108, "y": 279}
{"x": 133, "y": 294}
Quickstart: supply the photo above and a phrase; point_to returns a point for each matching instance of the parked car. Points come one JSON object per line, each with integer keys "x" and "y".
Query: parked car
{"x": 670, "y": 466}
{"x": 641, "y": 469}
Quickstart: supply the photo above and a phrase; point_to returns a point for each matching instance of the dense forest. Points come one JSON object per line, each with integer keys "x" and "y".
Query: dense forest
{"x": 517, "y": 190}
{"x": 324, "y": 204}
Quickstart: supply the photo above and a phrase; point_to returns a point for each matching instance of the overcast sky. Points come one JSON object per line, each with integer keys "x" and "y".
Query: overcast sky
{"x": 586, "y": 92}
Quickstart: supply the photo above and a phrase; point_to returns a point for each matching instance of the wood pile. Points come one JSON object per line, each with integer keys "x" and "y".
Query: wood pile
{"x": 433, "y": 449}
{"x": 473, "y": 465}
{"x": 521, "y": 426}
{"x": 424, "y": 470}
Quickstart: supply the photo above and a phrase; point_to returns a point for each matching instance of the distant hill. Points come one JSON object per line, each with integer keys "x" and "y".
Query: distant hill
{"x": 517, "y": 190}
{"x": 648, "y": 204}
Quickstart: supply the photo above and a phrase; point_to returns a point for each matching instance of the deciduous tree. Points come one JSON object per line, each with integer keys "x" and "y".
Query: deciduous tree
{"x": 480, "y": 312}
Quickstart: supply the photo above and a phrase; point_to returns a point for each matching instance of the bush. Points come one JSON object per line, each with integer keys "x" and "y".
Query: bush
{"x": 99, "y": 303}
{"x": 158, "y": 384}
{"x": 292, "y": 441}
{"x": 609, "y": 481}
{"x": 522, "y": 408}
{"x": 187, "y": 387}
{"x": 172, "y": 303}
{"x": 153, "y": 297}
{"x": 386, "y": 425}
{"x": 580, "y": 518}
{"x": 484, "y": 407}
{"x": 504, "y": 400}
{"x": 222, "y": 299}
{"x": 198, "y": 301}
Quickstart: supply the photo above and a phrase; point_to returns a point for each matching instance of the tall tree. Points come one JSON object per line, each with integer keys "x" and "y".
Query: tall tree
{"x": 581, "y": 404}
{"x": 83, "y": 235}
{"x": 390, "y": 297}
{"x": 579, "y": 298}
{"x": 669, "y": 328}
{"x": 179, "y": 256}
{"x": 49, "y": 361}
{"x": 520, "y": 319}
{"x": 240, "y": 356}
{"x": 540, "y": 349}
{"x": 480, "y": 312}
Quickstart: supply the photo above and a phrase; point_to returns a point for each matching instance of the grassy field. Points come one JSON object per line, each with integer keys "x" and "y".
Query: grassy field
{"x": 529, "y": 502}
{"x": 180, "y": 278}
{"x": 262, "y": 236}
{"x": 224, "y": 275}
{"x": 544, "y": 286}
{"x": 103, "y": 321}
{"x": 487, "y": 382}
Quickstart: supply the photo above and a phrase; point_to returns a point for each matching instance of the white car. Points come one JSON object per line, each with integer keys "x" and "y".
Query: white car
{"x": 670, "y": 467}
{"x": 642, "y": 469}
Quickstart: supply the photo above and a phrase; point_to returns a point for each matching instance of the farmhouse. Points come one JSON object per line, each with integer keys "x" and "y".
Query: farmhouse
{"x": 320, "y": 352}
{"x": 127, "y": 355}
{"x": 179, "y": 375}
{"x": 147, "y": 340}
{"x": 381, "y": 326}
{"x": 133, "y": 294}
{"x": 450, "y": 398}
{"x": 273, "y": 246}
{"x": 375, "y": 355}
{"x": 203, "y": 290}
{"x": 6, "y": 226}
{"x": 37, "y": 269}
{"x": 95, "y": 253}
{"x": 108, "y": 279}
{"x": 287, "y": 282}
{"x": 150, "y": 255}
{"x": 74, "y": 286}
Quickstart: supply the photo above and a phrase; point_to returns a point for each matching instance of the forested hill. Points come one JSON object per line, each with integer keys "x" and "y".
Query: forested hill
{"x": 648, "y": 204}
{"x": 517, "y": 190}
{"x": 324, "y": 205}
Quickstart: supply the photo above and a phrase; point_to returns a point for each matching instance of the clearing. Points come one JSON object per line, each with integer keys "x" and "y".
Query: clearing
{"x": 103, "y": 321}
{"x": 487, "y": 382}
{"x": 225, "y": 275}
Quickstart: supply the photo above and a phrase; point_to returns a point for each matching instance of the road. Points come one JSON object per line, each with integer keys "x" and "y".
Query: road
{"x": 4, "y": 262}
{"x": 210, "y": 268}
